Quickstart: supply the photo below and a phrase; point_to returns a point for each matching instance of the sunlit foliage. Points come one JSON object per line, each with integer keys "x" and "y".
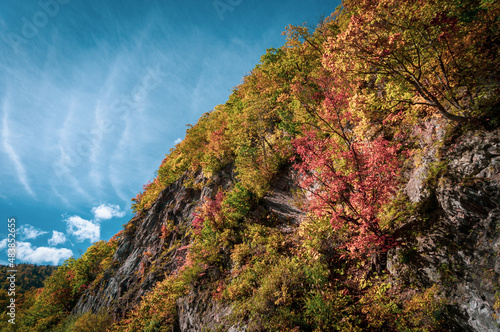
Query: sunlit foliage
{"x": 340, "y": 105}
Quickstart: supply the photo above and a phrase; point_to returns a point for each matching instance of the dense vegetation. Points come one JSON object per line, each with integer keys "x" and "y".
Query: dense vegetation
{"x": 46, "y": 307}
{"x": 29, "y": 278}
{"x": 340, "y": 104}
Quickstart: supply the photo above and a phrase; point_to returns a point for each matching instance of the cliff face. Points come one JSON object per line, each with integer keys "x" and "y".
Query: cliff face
{"x": 384, "y": 115}
{"x": 469, "y": 198}
{"x": 457, "y": 242}
{"x": 144, "y": 256}
{"x": 454, "y": 243}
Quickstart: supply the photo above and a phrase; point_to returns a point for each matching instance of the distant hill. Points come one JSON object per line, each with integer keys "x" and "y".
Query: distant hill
{"x": 27, "y": 278}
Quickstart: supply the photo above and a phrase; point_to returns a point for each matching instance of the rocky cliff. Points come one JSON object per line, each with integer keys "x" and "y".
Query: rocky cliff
{"x": 144, "y": 256}
{"x": 146, "y": 253}
{"x": 457, "y": 242}
{"x": 349, "y": 183}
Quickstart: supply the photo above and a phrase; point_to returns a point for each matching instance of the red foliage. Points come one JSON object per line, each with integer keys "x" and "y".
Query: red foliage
{"x": 218, "y": 294}
{"x": 70, "y": 275}
{"x": 116, "y": 237}
{"x": 350, "y": 182}
{"x": 197, "y": 223}
{"x": 210, "y": 212}
{"x": 164, "y": 232}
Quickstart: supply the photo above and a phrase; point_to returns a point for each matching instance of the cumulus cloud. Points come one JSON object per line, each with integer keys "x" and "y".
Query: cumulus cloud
{"x": 40, "y": 255}
{"x": 30, "y": 232}
{"x": 83, "y": 229}
{"x": 57, "y": 238}
{"x": 107, "y": 211}
{"x": 3, "y": 244}
{"x": 177, "y": 141}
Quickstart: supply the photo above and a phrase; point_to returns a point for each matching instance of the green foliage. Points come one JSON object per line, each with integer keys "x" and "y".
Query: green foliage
{"x": 278, "y": 292}
{"x": 237, "y": 203}
{"x": 52, "y": 304}
{"x": 384, "y": 311}
{"x": 425, "y": 56}
{"x": 93, "y": 262}
{"x": 306, "y": 291}
{"x": 157, "y": 310}
{"x": 251, "y": 129}
{"x": 29, "y": 278}
{"x": 87, "y": 322}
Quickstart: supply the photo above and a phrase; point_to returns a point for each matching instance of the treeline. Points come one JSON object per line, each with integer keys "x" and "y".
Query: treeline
{"x": 29, "y": 279}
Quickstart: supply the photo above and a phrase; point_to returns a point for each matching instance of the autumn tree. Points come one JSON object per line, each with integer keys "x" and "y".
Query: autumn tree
{"x": 349, "y": 180}
{"x": 438, "y": 55}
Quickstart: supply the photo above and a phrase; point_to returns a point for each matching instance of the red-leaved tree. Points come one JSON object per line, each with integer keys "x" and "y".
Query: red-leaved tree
{"x": 350, "y": 184}
{"x": 349, "y": 180}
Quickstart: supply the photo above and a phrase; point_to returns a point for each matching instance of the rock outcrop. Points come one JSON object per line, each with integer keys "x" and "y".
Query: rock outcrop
{"x": 140, "y": 259}
{"x": 457, "y": 241}
{"x": 143, "y": 256}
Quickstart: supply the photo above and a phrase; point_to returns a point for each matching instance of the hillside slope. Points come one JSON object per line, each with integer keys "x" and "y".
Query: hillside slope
{"x": 454, "y": 245}
{"x": 350, "y": 183}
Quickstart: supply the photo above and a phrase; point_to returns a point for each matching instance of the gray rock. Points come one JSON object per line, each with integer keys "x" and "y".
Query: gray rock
{"x": 459, "y": 245}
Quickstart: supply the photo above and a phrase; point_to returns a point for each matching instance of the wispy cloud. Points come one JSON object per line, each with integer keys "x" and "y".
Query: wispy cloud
{"x": 62, "y": 198}
{"x": 26, "y": 252}
{"x": 57, "y": 238}
{"x": 65, "y": 177}
{"x": 11, "y": 152}
{"x": 99, "y": 130}
{"x": 70, "y": 159}
{"x": 29, "y": 232}
{"x": 118, "y": 159}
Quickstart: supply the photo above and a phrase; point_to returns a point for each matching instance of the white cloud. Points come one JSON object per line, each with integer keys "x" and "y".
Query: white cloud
{"x": 30, "y": 232}
{"x": 107, "y": 211}
{"x": 57, "y": 238}
{"x": 39, "y": 255}
{"x": 177, "y": 141}
{"x": 83, "y": 229}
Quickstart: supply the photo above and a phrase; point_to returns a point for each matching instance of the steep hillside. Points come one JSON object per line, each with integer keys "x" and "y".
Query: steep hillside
{"x": 350, "y": 183}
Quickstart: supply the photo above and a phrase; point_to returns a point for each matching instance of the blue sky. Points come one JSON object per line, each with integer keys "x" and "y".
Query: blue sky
{"x": 93, "y": 94}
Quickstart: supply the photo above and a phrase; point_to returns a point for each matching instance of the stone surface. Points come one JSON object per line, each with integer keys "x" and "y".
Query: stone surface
{"x": 134, "y": 272}
{"x": 198, "y": 312}
{"x": 123, "y": 285}
{"x": 458, "y": 246}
